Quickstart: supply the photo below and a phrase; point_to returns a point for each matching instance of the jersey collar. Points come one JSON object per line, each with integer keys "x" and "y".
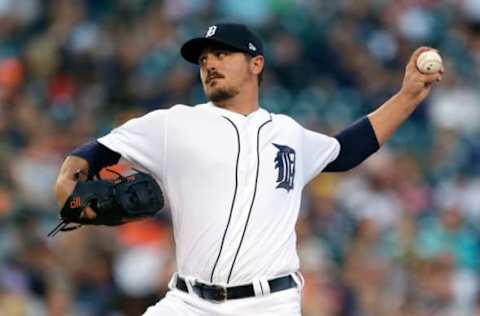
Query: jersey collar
{"x": 259, "y": 116}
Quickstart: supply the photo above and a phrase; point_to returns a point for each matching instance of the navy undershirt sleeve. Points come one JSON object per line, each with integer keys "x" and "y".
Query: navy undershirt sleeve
{"x": 357, "y": 143}
{"x": 97, "y": 155}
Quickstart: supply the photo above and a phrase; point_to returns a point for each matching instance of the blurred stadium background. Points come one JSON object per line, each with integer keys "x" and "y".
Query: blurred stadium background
{"x": 397, "y": 236}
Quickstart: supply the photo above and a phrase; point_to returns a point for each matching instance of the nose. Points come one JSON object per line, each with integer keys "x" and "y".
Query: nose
{"x": 210, "y": 63}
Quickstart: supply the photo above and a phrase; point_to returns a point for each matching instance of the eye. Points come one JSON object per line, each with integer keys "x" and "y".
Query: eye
{"x": 221, "y": 54}
{"x": 202, "y": 60}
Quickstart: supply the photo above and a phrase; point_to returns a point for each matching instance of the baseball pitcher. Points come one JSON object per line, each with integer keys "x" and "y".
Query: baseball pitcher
{"x": 232, "y": 174}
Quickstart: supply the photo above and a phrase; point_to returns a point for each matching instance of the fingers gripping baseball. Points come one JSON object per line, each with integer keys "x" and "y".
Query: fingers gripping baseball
{"x": 417, "y": 84}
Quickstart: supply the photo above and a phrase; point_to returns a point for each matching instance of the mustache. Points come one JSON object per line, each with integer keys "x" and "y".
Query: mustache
{"x": 213, "y": 75}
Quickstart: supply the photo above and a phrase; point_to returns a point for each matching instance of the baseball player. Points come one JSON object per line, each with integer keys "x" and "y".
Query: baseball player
{"x": 233, "y": 175}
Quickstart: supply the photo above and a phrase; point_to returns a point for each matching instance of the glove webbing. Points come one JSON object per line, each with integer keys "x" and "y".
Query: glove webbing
{"x": 63, "y": 227}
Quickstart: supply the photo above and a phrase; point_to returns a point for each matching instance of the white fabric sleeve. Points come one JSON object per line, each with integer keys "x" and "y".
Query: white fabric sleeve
{"x": 141, "y": 141}
{"x": 318, "y": 151}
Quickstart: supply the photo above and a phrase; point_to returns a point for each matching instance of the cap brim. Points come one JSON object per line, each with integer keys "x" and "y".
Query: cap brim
{"x": 192, "y": 49}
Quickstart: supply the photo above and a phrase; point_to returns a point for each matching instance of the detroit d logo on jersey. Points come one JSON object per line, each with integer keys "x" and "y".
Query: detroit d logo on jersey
{"x": 285, "y": 163}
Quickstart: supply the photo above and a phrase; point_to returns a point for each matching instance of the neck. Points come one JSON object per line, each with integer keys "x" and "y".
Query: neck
{"x": 242, "y": 103}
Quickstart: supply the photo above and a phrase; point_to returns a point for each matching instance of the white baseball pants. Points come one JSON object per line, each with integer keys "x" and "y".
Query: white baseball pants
{"x": 179, "y": 303}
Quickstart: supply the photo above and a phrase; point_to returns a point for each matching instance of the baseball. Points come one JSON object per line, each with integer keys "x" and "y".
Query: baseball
{"x": 429, "y": 62}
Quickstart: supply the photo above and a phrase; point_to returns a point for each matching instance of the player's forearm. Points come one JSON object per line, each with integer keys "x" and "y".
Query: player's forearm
{"x": 390, "y": 115}
{"x": 86, "y": 161}
{"x": 67, "y": 177}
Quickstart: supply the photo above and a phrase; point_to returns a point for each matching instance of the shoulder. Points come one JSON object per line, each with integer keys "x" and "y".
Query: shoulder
{"x": 156, "y": 116}
{"x": 182, "y": 108}
{"x": 186, "y": 114}
{"x": 177, "y": 109}
{"x": 285, "y": 120}
{"x": 187, "y": 109}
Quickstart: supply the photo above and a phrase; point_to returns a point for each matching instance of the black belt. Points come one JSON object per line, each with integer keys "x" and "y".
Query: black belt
{"x": 220, "y": 293}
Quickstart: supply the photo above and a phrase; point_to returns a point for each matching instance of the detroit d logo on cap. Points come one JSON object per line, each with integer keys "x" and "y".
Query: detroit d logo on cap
{"x": 211, "y": 31}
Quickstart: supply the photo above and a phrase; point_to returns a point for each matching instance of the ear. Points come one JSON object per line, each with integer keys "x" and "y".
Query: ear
{"x": 256, "y": 64}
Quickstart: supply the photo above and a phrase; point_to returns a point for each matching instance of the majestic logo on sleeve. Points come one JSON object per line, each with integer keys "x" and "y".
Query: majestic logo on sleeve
{"x": 285, "y": 163}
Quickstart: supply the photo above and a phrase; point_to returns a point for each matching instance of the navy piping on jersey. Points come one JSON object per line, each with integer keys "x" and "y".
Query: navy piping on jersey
{"x": 233, "y": 200}
{"x": 253, "y": 199}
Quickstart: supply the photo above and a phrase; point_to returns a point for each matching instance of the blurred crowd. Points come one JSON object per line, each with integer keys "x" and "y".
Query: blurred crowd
{"x": 398, "y": 235}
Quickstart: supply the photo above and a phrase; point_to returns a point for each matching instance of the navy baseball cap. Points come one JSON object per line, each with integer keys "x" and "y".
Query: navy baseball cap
{"x": 231, "y": 35}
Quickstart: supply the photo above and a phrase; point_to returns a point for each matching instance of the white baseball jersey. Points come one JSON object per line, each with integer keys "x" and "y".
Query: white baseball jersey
{"x": 233, "y": 183}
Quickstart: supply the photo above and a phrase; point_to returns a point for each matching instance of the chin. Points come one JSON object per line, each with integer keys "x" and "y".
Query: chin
{"x": 221, "y": 94}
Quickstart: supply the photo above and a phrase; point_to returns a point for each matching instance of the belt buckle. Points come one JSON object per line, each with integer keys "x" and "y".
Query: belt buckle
{"x": 222, "y": 293}
{"x": 219, "y": 293}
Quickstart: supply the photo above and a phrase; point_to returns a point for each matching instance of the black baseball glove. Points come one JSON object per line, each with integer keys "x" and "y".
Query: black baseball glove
{"x": 114, "y": 202}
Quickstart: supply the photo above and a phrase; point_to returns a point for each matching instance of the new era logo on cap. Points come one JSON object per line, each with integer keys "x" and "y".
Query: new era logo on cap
{"x": 233, "y": 36}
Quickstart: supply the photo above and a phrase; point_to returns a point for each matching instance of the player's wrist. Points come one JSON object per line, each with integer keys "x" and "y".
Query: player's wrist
{"x": 407, "y": 98}
{"x": 63, "y": 188}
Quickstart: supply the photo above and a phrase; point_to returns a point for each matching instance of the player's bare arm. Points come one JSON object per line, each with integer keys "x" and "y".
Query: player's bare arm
{"x": 364, "y": 137}
{"x": 84, "y": 162}
{"x": 415, "y": 88}
{"x": 67, "y": 177}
